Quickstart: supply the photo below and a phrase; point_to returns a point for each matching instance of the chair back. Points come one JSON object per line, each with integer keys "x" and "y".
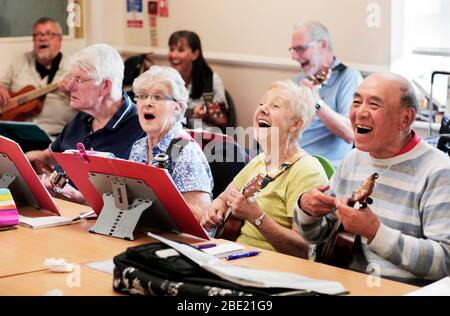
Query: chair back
{"x": 444, "y": 140}
{"x": 326, "y": 164}
{"x": 231, "y": 110}
{"x": 226, "y": 158}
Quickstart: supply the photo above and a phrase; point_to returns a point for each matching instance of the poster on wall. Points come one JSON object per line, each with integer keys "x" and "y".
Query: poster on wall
{"x": 152, "y": 22}
{"x": 164, "y": 8}
{"x": 134, "y": 14}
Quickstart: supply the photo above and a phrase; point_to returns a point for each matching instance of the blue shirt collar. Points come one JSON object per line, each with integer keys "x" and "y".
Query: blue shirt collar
{"x": 125, "y": 109}
{"x": 334, "y": 74}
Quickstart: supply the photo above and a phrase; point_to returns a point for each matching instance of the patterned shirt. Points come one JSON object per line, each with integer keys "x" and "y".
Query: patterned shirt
{"x": 190, "y": 170}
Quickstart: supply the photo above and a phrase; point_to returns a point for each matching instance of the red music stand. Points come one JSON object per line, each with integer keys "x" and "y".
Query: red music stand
{"x": 17, "y": 174}
{"x": 127, "y": 195}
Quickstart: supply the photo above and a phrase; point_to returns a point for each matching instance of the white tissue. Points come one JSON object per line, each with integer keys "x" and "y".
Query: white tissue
{"x": 58, "y": 265}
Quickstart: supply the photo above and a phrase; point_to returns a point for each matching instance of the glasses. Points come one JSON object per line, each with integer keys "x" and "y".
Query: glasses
{"x": 78, "y": 80}
{"x": 154, "y": 98}
{"x": 50, "y": 35}
{"x": 301, "y": 48}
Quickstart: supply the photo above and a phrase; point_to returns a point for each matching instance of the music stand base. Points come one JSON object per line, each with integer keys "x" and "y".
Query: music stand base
{"x": 117, "y": 222}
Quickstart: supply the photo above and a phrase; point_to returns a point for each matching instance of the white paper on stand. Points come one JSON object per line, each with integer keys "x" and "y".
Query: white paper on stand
{"x": 250, "y": 276}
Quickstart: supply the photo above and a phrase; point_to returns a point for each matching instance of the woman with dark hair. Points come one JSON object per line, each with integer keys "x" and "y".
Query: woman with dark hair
{"x": 206, "y": 91}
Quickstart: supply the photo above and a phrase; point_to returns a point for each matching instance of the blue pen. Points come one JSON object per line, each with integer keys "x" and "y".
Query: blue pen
{"x": 205, "y": 246}
{"x": 242, "y": 255}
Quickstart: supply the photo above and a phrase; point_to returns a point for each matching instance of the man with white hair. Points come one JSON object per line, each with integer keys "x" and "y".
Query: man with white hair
{"x": 107, "y": 120}
{"x": 40, "y": 67}
{"x": 330, "y": 134}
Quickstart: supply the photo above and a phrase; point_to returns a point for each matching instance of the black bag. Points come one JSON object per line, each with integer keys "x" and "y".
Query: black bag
{"x": 140, "y": 271}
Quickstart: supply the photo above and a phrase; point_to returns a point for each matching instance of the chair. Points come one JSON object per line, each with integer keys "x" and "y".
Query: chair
{"x": 231, "y": 110}
{"x": 226, "y": 158}
{"x": 444, "y": 132}
{"x": 442, "y": 140}
{"x": 326, "y": 164}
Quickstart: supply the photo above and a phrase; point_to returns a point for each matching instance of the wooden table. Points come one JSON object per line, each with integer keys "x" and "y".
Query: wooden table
{"x": 24, "y": 250}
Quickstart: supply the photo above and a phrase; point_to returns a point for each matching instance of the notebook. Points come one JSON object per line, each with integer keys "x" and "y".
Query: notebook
{"x": 45, "y": 222}
{"x": 9, "y": 215}
{"x": 223, "y": 250}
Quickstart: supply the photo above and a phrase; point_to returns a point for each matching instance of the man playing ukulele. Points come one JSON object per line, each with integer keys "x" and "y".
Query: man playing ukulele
{"x": 330, "y": 134}
{"x": 41, "y": 67}
{"x": 405, "y": 233}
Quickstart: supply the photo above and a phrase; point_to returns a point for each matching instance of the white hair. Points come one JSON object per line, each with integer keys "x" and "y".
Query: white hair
{"x": 302, "y": 102}
{"x": 317, "y": 31}
{"x": 168, "y": 76}
{"x": 103, "y": 62}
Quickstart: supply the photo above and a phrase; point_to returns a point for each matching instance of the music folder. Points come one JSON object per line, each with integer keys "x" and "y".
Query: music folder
{"x": 17, "y": 174}
{"x": 128, "y": 195}
{"x": 27, "y": 134}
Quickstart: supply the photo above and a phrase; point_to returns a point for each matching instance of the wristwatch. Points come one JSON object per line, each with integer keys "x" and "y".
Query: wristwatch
{"x": 259, "y": 220}
{"x": 318, "y": 104}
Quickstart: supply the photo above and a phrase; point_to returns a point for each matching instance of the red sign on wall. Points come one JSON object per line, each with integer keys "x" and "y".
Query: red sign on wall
{"x": 135, "y": 23}
{"x": 153, "y": 7}
{"x": 164, "y": 8}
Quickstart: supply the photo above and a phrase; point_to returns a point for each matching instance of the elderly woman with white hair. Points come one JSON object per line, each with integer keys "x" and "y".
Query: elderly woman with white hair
{"x": 267, "y": 217}
{"x": 161, "y": 99}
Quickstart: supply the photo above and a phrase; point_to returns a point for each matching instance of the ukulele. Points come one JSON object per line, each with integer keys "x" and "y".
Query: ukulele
{"x": 58, "y": 180}
{"x": 25, "y": 103}
{"x": 231, "y": 227}
{"x": 337, "y": 250}
{"x": 320, "y": 77}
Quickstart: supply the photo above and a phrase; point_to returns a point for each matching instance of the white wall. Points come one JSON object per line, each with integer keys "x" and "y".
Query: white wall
{"x": 244, "y": 41}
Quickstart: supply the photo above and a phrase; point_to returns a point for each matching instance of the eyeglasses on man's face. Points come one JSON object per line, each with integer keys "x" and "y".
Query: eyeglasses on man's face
{"x": 78, "y": 79}
{"x": 301, "y": 48}
{"x": 49, "y": 35}
{"x": 154, "y": 98}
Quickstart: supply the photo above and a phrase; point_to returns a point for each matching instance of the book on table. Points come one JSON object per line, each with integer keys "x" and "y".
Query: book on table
{"x": 45, "y": 221}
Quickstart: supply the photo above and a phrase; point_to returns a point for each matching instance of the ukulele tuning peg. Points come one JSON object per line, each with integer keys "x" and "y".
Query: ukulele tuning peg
{"x": 369, "y": 200}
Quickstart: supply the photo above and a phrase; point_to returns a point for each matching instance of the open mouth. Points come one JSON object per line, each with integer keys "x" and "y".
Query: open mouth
{"x": 363, "y": 129}
{"x": 263, "y": 123}
{"x": 43, "y": 46}
{"x": 175, "y": 62}
{"x": 149, "y": 116}
{"x": 304, "y": 64}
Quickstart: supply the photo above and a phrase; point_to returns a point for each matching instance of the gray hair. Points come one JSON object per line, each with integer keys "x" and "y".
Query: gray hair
{"x": 407, "y": 94}
{"x": 103, "y": 62}
{"x": 165, "y": 75}
{"x": 302, "y": 102}
{"x": 45, "y": 20}
{"x": 317, "y": 31}
{"x": 408, "y": 97}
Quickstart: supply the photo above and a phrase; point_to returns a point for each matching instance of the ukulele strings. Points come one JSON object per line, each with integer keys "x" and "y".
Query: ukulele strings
{"x": 24, "y": 98}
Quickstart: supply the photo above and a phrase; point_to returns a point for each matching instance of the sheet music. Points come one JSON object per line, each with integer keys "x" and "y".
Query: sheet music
{"x": 438, "y": 288}
{"x": 44, "y": 222}
{"x": 104, "y": 266}
{"x": 251, "y": 276}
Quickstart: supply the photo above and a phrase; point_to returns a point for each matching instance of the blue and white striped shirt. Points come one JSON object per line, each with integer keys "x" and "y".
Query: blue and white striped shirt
{"x": 412, "y": 200}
